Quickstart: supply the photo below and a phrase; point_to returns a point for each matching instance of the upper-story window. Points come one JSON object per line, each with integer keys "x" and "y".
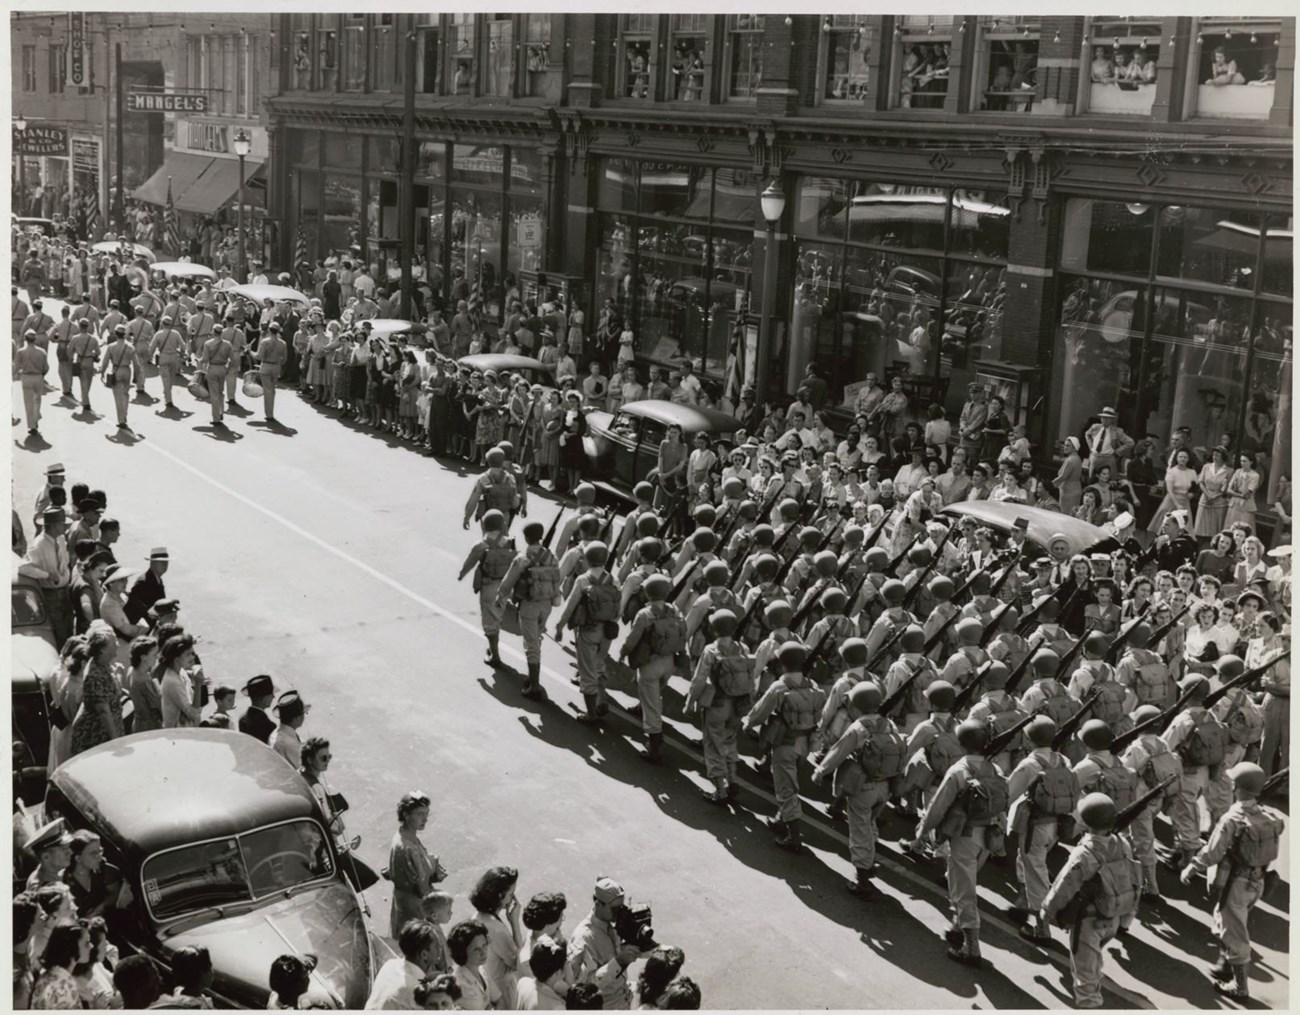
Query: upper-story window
{"x": 428, "y": 47}
{"x": 499, "y": 65}
{"x": 1235, "y": 62}
{"x": 327, "y": 58}
{"x": 302, "y": 59}
{"x": 541, "y": 76}
{"x": 1007, "y": 70}
{"x": 922, "y": 45}
{"x": 29, "y": 68}
{"x": 241, "y": 75}
{"x": 56, "y": 68}
{"x": 383, "y": 53}
{"x": 636, "y": 50}
{"x": 1122, "y": 53}
{"x": 744, "y": 60}
{"x": 691, "y": 48}
{"x": 846, "y": 44}
{"x": 354, "y": 52}
{"x": 460, "y": 42}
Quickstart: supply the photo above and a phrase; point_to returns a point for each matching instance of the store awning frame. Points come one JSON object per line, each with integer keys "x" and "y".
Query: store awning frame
{"x": 217, "y": 186}
{"x": 182, "y": 168}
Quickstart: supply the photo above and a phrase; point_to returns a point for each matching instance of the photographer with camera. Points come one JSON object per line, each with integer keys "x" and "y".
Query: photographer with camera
{"x": 608, "y": 940}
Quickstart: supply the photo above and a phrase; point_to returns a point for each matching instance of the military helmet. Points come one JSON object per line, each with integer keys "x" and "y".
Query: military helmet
{"x": 867, "y": 697}
{"x": 657, "y": 587}
{"x": 595, "y": 554}
{"x": 1097, "y": 811}
{"x": 792, "y": 655}
{"x": 493, "y": 521}
{"x": 973, "y": 735}
{"x": 853, "y": 651}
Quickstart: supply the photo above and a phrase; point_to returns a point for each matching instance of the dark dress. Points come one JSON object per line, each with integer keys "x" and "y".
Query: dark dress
{"x": 571, "y": 453}
{"x": 99, "y": 688}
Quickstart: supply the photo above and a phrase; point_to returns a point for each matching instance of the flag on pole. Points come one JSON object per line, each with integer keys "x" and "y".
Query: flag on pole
{"x": 476, "y": 296}
{"x": 88, "y": 212}
{"x": 300, "y": 248}
{"x": 172, "y": 232}
{"x": 734, "y": 383}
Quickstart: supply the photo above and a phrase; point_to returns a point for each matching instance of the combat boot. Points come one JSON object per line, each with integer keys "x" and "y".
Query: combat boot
{"x": 591, "y": 717}
{"x": 493, "y": 657}
{"x": 782, "y": 831}
{"x": 533, "y": 685}
{"x": 863, "y": 887}
{"x": 1221, "y": 970}
{"x": 1238, "y": 988}
{"x": 794, "y": 837}
{"x": 968, "y": 952}
{"x": 836, "y": 810}
{"x": 654, "y": 748}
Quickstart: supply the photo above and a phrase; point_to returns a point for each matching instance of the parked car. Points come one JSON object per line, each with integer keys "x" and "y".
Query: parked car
{"x": 532, "y": 370}
{"x": 34, "y": 225}
{"x": 222, "y": 845}
{"x": 1083, "y": 537}
{"x": 32, "y": 657}
{"x": 622, "y": 448}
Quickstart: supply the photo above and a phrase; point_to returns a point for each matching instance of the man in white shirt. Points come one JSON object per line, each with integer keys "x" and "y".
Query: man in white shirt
{"x": 364, "y": 284}
{"x": 797, "y": 428}
{"x": 285, "y": 741}
{"x": 48, "y": 562}
{"x": 690, "y": 383}
{"x": 395, "y": 983}
{"x": 908, "y": 478}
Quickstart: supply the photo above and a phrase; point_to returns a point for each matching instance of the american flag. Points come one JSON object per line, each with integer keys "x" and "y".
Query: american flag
{"x": 89, "y": 213}
{"x": 172, "y": 232}
{"x": 300, "y": 248}
{"x": 735, "y": 381}
{"x": 476, "y": 296}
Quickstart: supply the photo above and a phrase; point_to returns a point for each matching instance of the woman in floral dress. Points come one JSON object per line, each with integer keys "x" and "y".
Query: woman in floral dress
{"x": 1180, "y": 477}
{"x": 65, "y": 685}
{"x": 341, "y": 388}
{"x": 99, "y": 719}
{"x": 517, "y": 410}
{"x": 1241, "y": 494}
{"x": 489, "y": 416}
{"x": 546, "y": 444}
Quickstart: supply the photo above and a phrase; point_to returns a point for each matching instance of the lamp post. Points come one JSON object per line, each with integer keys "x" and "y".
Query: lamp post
{"x": 772, "y": 201}
{"x": 243, "y": 144}
{"x": 20, "y": 125}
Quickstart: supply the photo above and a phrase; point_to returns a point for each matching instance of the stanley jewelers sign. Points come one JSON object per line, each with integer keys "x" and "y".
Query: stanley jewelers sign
{"x": 38, "y": 139}
{"x": 138, "y": 101}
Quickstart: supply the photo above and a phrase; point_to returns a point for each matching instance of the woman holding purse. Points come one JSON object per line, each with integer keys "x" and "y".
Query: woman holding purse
{"x": 412, "y": 869}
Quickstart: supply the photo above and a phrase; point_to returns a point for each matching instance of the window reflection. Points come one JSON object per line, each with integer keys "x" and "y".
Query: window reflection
{"x": 1107, "y": 236}
{"x": 341, "y": 214}
{"x": 921, "y": 55}
{"x": 1209, "y": 245}
{"x": 848, "y": 45}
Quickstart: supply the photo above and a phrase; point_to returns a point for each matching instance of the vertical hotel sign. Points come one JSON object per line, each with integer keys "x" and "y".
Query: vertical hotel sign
{"x": 78, "y": 69}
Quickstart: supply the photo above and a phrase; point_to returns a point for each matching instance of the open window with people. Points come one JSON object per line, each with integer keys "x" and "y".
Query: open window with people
{"x": 1008, "y": 64}
{"x": 1235, "y": 62}
{"x": 1123, "y": 54}
{"x": 922, "y": 49}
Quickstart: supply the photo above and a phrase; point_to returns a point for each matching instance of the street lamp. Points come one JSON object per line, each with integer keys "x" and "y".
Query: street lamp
{"x": 243, "y": 144}
{"x": 20, "y": 125}
{"x": 772, "y": 201}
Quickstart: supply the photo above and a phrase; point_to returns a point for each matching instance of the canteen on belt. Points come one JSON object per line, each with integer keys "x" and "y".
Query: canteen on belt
{"x": 199, "y": 387}
{"x": 251, "y": 387}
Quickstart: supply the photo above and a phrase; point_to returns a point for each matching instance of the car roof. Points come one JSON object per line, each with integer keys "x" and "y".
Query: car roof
{"x": 499, "y": 361}
{"x": 1043, "y": 524}
{"x": 163, "y": 788}
{"x": 691, "y": 418}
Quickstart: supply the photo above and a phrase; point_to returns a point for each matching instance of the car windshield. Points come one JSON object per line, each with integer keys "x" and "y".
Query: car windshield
{"x": 625, "y": 424}
{"x": 25, "y": 607}
{"x": 225, "y": 872}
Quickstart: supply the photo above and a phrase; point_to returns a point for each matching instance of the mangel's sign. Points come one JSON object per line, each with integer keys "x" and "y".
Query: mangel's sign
{"x": 41, "y": 140}
{"x": 165, "y": 102}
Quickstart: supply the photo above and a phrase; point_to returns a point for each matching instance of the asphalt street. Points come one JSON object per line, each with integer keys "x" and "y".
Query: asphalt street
{"x": 327, "y": 556}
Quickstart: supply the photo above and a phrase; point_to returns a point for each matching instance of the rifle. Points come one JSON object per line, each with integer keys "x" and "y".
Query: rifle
{"x": 934, "y": 560}
{"x": 815, "y": 654}
{"x": 555, "y": 523}
{"x": 749, "y": 615}
{"x": 1274, "y": 780}
{"x": 893, "y": 564}
{"x": 785, "y": 564}
{"x": 968, "y": 692}
{"x": 826, "y": 540}
{"x": 1112, "y": 653}
{"x": 1007, "y": 572}
{"x": 884, "y": 649}
{"x": 896, "y": 698}
{"x": 1064, "y": 669}
{"x": 802, "y": 614}
{"x": 730, "y": 530}
{"x": 937, "y": 637}
{"x": 1134, "y": 810}
{"x": 1014, "y": 679}
{"x": 1164, "y": 629}
{"x": 1245, "y": 678}
{"x": 1027, "y": 622}
{"x": 999, "y": 743}
{"x": 1075, "y": 721}
{"x": 870, "y": 541}
{"x": 607, "y": 529}
{"x": 992, "y": 629}
{"x": 1156, "y": 724}
{"x": 681, "y": 582}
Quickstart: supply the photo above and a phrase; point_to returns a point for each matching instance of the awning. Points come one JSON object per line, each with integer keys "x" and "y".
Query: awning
{"x": 216, "y": 186}
{"x": 182, "y": 168}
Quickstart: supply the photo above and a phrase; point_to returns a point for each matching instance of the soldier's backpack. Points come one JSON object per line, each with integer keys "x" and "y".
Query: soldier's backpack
{"x": 497, "y": 558}
{"x": 501, "y": 493}
{"x": 1244, "y": 720}
{"x": 733, "y": 674}
{"x": 636, "y": 601}
{"x": 1117, "y": 782}
{"x": 1055, "y": 791}
{"x": 1257, "y": 845}
{"x": 944, "y": 751}
{"x": 1161, "y": 763}
{"x": 667, "y": 632}
{"x": 799, "y": 709}
{"x": 602, "y": 598}
{"x": 1115, "y": 886}
{"x": 1152, "y": 682}
{"x": 541, "y": 578}
{"x": 985, "y": 797}
{"x": 1002, "y": 715}
{"x": 884, "y": 754}
{"x": 1207, "y": 743}
{"x": 1057, "y": 705}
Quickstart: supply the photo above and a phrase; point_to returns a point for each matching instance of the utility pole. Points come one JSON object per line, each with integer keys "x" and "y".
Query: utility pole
{"x": 406, "y": 185}
{"x": 119, "y": 199}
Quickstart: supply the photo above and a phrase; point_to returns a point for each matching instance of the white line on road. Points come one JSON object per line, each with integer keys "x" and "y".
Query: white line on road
{"x": 1133, "y": 1000}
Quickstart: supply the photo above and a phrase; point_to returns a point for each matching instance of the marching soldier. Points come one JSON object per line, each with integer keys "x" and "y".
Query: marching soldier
{"x": 1101, "y": 864}
{"x": 801, "y": 570}
{"x": 742, "y": 539}
{"x": 1043, "y": 793}
{"x": 776, "y": 616}
{"x": 271, "y": 354}
{"x": 592, "y": 611}
{"x": 117, "y": 366}
{"x": 1245, "y": 841}
{"x": 835, "y": 719}
{"x": 573, "y": 561}
{"x": 490, "y": 559}
{"x": 647, "y": 527}
{"x": 721, "y": 689}
{"x": 201, "y": 327}
{"x": 653, "y": 646}
{"x": 1143, "y": 671}
{"x": 717, "y": 596}
{"x": 894, "y": 619}
{"x": 968, "y": 810}
{"x": 215, "y": 360}
{"x": 1115, "y": 702}
{"x": 762, "y": 542}
{"x": 825, "y": 637}
{"x": 869, "y": 605}
{"x": 234, "y": 334}
{"x": 169, "y": 346}
{"x": 1000, "y": 711}
{"x": 941, "y": 591}
{"x": 764, "y": 591}
{"x": 493, "y": 490}
{"x": 911, "y": 663}
{"x": 584, "y": 496}
{"x": 84, "y": 353}
{"x": 533, "y": 582}
{"x": 630, "y": 532}
{"x": 866, "y": 759}
{"x": 1046, "y": 694}
{"x": 31, "y": 365}
{"x": 61, "y": 337}
{"x": 963, "y": 664}
{"x": 1100, "y": 771}
{"x": 1202, "y": 743}
{"x": 140, "y": 334}
{"x": 788, "y": 712}
{"x": 1008, "y": 645}
{"x": 649, "y": 551}
{"x": 521, "y": 481}
{"x": 932, "y": 748}
{"x": 1154, "y": 763}
{"x": 1244, "y": 722}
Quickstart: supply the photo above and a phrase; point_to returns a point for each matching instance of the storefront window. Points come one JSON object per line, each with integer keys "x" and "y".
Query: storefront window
{"x": 898, "y": 216}
{"x": 541, "y": 76}
{"x": 618, "y": 185}
{"x": 1268, "y": 411}
{"x": 1209, "y": 245}
{"x": 1279, "y": 256}
{"x": 476, "y": 244}
{"x": 341, "y": 215}
{"x": 343, "y": 151}
{"x": 1008, "y": 75}
{"x": 430, "y": 160}
{"x": 922, "y": 46}
{"x": 744, "y": 54}
{"x": 636, "y": 56}
{"x": 675, "y": 191}
{"x": 1107, "y": 236}
{"x": 526, "y": 172}
{"x": 303, "y": 148}
{"x": 499, "y": 73}
{"x": 972, "y": 327}
{"x": 617, "y": 252}
{"x": 1236, "y": 67}
{"x": 354, "y": 52}
{"x": 820, "y": 206}
{"x": 306, "y": 200}
{"x": 1123, "y": 53}
{"x": 690, "y": 57}
{"x": 979, "y": 224}
{"x": 527, "y": 234}
{"x": 460, "y": 41}
{"x": 479, "y": 164}
{"x": 847, "y": 40}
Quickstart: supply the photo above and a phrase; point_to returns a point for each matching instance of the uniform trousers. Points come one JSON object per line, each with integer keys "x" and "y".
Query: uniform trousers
{"x": 592, "y": 648}
{"x": 785, "y": 777}
{"x": 268, "y": 375}
{"x": 216, "y": 391}
{"x": 1231, "y": 913}
{"x": 1142, "y": 835}
{"x": 721, "y": 733}
{"x": 168, "y": 369}
{"x": 33, "y": 389}
{"x": 1184, "y": 814}
{"x": 488, "y": 612}
{"x": 1275, "y": 750}
{"x": 1086, "y": 957}
{"x": 1031, "y": 863}
{"x": 532, "y": 623}
{"x": 966, "y": 855}
{"x": 863, "y": 808}
{"x": 650, "y": 680}
{"x": 66, "y": 373}
{"x": 86, "y": 374}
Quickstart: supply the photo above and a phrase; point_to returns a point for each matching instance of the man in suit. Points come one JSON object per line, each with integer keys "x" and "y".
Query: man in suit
{"x": 1107, "y": 443}
{"x": 255, "y": 721}
{"x": 148, "y": 588}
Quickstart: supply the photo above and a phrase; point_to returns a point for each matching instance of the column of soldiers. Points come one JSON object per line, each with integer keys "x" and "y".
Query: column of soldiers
{"x": 1000, "y": 702}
